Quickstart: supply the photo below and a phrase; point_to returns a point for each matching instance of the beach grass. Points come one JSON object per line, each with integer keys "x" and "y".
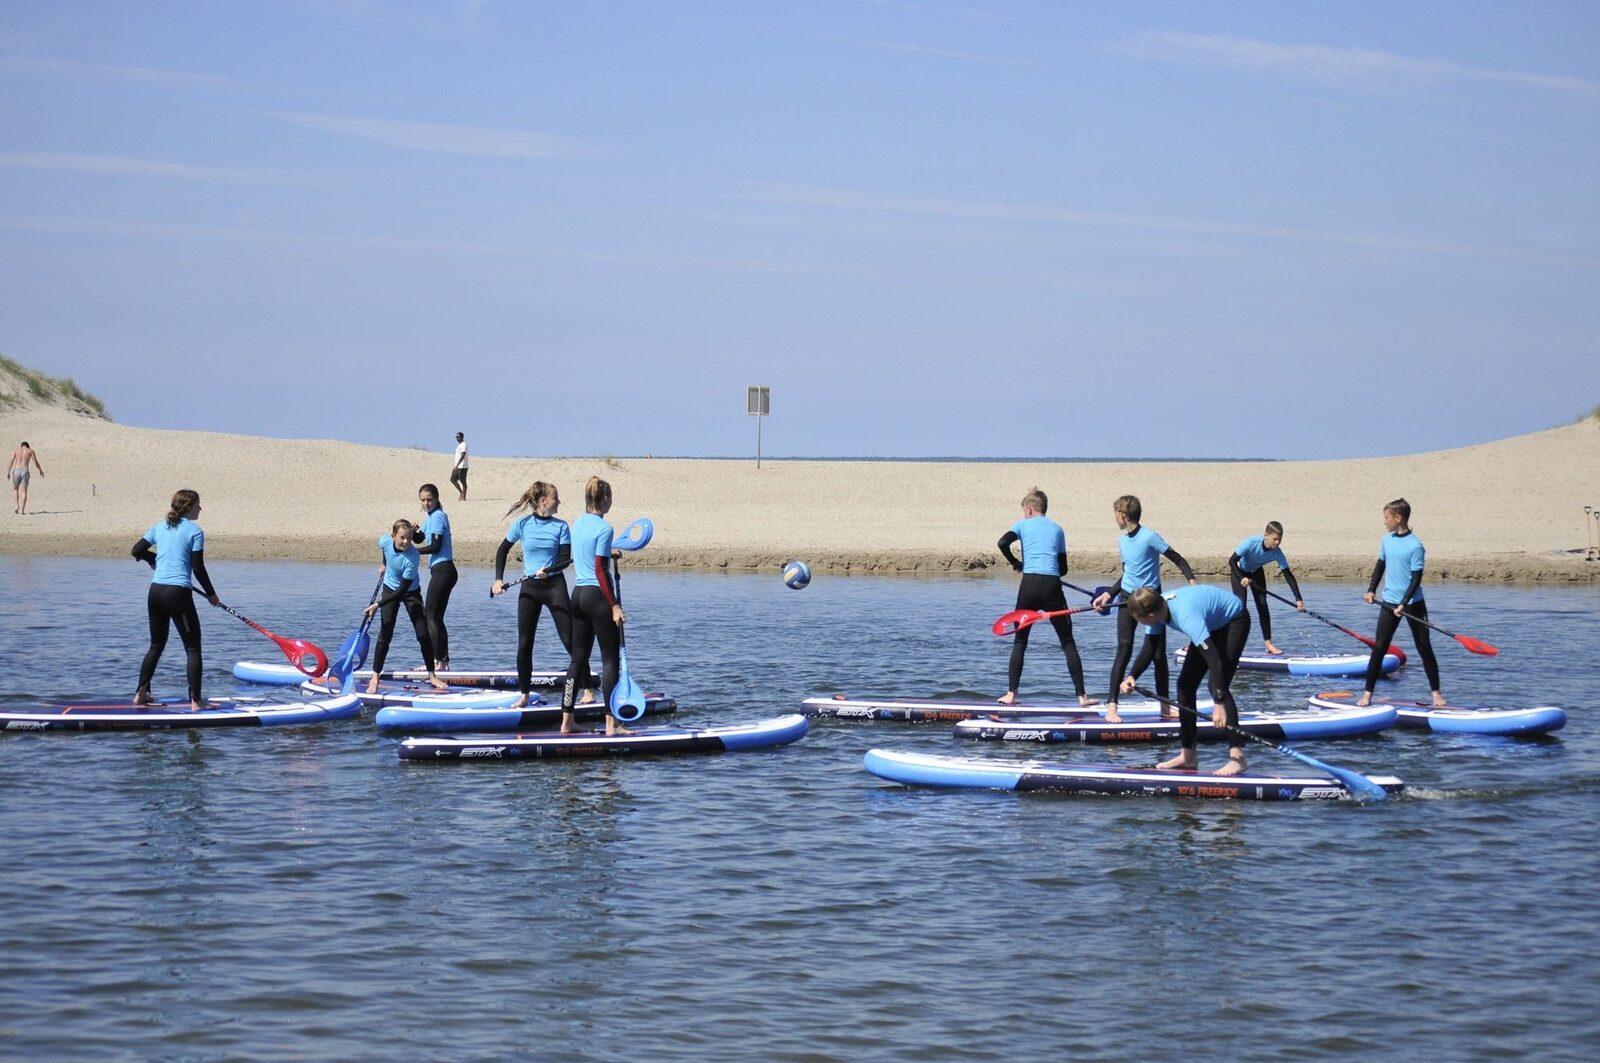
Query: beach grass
{"x": 40, "y": 388}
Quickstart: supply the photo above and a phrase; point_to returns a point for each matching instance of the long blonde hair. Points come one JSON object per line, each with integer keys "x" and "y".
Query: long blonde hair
{"x": 530, "y": 498}
{"x": 183, "y": 502}
{"x": 596, "y": 494}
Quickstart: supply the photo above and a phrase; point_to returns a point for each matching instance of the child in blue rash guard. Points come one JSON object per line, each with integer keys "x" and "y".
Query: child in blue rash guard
{"x": 1217, "y": 626}
{"x": 402, "y": 585}
{"x": 433, "y": 539}
{"x": 1245, "y": 569}
{"x": 179, "y": 553}
{"x": 1142, "y": 550}
{"x": 546, "y": 554}
{"x": 1400, "y": 562}
{"x": 1043, "y": 563}
{"x": 596, "y": 611}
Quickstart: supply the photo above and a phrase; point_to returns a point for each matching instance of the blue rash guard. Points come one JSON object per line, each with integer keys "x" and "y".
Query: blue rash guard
{"x": 174, "y": 545}
{"x": 1141, "y": 553}
{"x": 1400, "y": 561}
{"x": 1253, "y": 554}
{"x": 436, "y": 531}
{"x": 591, "y": 553}
{"x": 400, "y": 570}
{"x": 1199, "y": 610}
{"x": 1043, "y": 543}
{"x": 541, "y": 539}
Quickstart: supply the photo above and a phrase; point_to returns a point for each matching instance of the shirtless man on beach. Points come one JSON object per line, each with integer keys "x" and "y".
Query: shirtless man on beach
{"x": 17, "y": 472}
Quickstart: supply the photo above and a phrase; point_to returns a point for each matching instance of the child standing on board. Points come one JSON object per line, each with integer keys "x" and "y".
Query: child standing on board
{"x": 433, "y": 539}
{"x": 179, "y": 552}
{"x": 402, "y": 583}
{"x": 1043, "y": 563}
{"x": 1245, "y": 569}
{"x": 596, "y": 610}
{"x": 1400, "y": 563}
{"x": 1142, "y": 550}
{"x": 1218, "y": 627}
{"x": 546, "y": 553}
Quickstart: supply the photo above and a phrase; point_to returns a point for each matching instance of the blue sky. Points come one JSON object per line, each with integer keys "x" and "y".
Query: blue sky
{"x": 933, "y": 228}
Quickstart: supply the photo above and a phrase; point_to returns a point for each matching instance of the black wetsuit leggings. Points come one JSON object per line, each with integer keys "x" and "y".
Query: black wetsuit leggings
{"x": 1158, "y": 647}
{"x": 1388, "y": 624}
{"x": 172, "y": 605}
{"x": 419, "y": 622}
{"x": 1258, "y": 591}
{"x": 441, "y": 581}
{"x": 591, "y": 620}
{"x": 539, "y": 594}
{"x": 1044, "y": 593}
{"x": 1228, "y": 642}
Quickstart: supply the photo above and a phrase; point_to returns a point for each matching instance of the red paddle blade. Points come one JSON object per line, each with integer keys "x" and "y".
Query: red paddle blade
{"x": 1016, "y": 620}
{"x": 306, "y": 656}
{"x": 1478, "y": 646}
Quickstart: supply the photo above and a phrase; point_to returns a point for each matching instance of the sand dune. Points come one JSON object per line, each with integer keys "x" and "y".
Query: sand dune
{"x": 1507, "y": 510}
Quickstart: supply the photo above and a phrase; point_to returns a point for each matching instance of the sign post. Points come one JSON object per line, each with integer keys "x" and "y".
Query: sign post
{"x": 758, "y": 404}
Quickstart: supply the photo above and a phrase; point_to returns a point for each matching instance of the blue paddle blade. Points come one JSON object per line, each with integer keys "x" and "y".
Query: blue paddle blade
{"x": 627, "y": 697}
{"x": 635, "y": 536}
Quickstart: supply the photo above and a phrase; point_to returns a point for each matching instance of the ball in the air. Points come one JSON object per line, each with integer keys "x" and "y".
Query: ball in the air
{"x": 796, "y": 574}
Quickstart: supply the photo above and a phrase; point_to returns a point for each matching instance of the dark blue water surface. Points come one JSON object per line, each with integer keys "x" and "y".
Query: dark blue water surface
{"x": 300, "y": 893}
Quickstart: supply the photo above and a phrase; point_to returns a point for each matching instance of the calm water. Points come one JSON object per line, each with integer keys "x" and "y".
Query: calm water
{"x": 299, "y": 893}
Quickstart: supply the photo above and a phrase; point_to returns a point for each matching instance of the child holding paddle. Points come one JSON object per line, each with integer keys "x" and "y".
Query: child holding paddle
{"x": 402, "y": 585}
{"x": 178, "y": 552}
{"x": 1401, "y": 559}
{"x": 1142, "y": 550}
{"x": 1043, "y": 563}
{"x": 1246, "y": 569}
{"x": 1218, "y": 627}
{"x": 546, "y": 553}
{"x": 433, "y": 539}
{"x": 597, "y": 611}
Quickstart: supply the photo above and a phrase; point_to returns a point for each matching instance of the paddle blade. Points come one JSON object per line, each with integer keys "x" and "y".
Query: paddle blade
{"x": 306, "y": 656}
{"x": 1015, "y": 621}
{"x": 1360, "y": 787}
{"x": 1478, "y": 646}
{"x": 635, "y": 536}
{"x": 627, "y": 697}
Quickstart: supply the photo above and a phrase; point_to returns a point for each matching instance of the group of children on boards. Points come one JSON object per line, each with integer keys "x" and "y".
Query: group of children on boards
{"x": 1214, "y": 620}
{"x": 175, "y": 549}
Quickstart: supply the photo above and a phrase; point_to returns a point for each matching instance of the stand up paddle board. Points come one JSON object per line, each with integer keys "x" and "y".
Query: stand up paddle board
{"x": 779, "y": 730}
{"x": 172, "y": 712}
{"x": 1457, "y": 719}
{"x": 426, "y": 716}
{"x": 280, "y": 674}
{"x": 1307, "y": 664}
{"x": 930, "y": 710}
{"x": 1334, "y": 723}
{"x": 921, "y": 769}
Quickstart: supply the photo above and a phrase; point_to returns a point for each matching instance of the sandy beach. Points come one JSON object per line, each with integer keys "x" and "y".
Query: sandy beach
{"x": 1505, "y": 510}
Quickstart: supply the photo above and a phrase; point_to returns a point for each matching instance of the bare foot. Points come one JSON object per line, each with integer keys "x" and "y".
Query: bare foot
{"x": 521, "y": 702}
{"x": 613, "y": 728}
{"x": 143, "y": 698}
{"x": 569, "y": 726}
{"x": 1273, "y": 649}
{"x": 588, "y": 698}
{"x": 1187, "y": 760}
{"x": 195, "y": 706}
{"x": 1084, "y": 701}
{"x": 1008, "y": 698}
{"x": 436, "y": 683}
{"x": 1111, "y": 713}
{"x": 372, "y": 684}
{"x": 1234, "y": 766}
{"x": 1366, "y": 699}
{"x": 1439, "y": 701}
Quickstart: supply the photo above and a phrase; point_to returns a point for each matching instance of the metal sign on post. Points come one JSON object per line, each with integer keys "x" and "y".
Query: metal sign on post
{"x": 758, "y": 404}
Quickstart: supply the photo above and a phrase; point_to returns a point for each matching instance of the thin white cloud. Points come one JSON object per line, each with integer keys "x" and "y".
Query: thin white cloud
{"x": 800, "y": 195}
{"x": 22, "y": 64}
{"x": 937, "y": 53}
{"x": 123, "y": 166}
{"x": 1320, "y": 62}
{"x": 443, "y": 137}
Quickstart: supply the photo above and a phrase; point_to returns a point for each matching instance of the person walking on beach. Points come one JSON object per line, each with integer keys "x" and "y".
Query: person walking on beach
{"x": 1218, "y": 627}
{"x": 1246, "y": 569}
{"x": 597, "y": 612}
{"x": 458, "y": 471}
{"x": 1142, "y": 550}
{"x": 1043, "y": 563}
{"x": 546, "y": 554}
{"x": 175, "y": 549}
{"x": 433, "y": 539}
{"x": 18, "y": 473}
{"x": 402, "y": 583}
{"x": 1401, "y": 559}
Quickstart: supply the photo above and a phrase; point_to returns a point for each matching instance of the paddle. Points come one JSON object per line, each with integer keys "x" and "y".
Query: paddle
{"x": 1360, "y": 787}
{"x": 1468, "y": 643}
{"x": 635, "y": 536}
{"x": 1018, "y": 619}
{"x": 353, "y": 651}
{"x": 627, "y": 697}
{"x": 299, "y": 651}
{"x": 1396, "y": 650}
